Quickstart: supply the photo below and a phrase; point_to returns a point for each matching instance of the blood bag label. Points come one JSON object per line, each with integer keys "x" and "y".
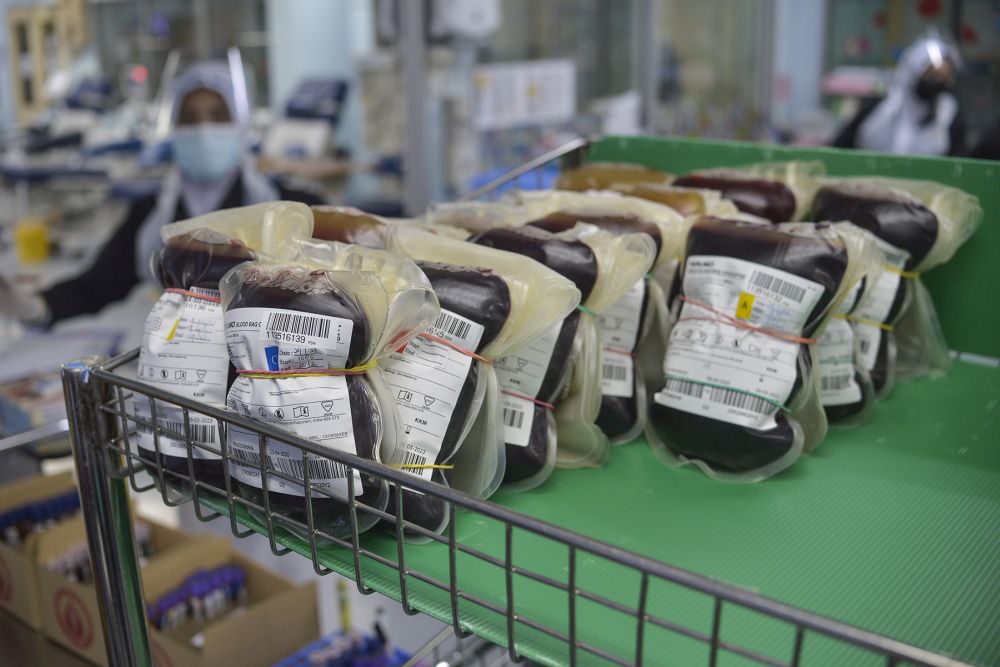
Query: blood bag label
{"x": 619, "y": 329}
{"x": 426, "y": 379}
{"x": 728, "y": 372}
{"x": 617, "y": 374}
{"x": 878, "y": 302}
{"x": 274, "y": 339}
{"x": 835, "y": 348}
{"x": 869, "y": 339}
{"x": 184, "y": 352}
{"x": 170, "y": 420}
{"x": 184, "y": 347}
{"x": 316, "y": 408}
{"x": 522, "y": 373}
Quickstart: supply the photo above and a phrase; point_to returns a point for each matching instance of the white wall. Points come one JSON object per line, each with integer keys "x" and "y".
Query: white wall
{"x": 318, "y": 38}
{"x": 799, "y": 32}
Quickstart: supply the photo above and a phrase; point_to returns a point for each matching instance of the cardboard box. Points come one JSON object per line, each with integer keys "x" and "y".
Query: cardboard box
{"x": 278, "y": 618}
{"x": 68, "y": 608}
{"x": 18, "y": 587}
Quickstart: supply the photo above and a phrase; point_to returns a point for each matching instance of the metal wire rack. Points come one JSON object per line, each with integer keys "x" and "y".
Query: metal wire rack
{"x": 103, "y": 429}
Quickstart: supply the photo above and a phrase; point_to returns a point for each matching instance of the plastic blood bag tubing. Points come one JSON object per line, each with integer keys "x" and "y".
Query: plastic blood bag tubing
{"x": 919, "y": 225}
{"x": 739, "y": 397}
{"x": 563, "y": 368}
{"x": 183, "y": 349}
{"x": 636, "y": 320}
{"x": 480, "y": 289}
{"x": 307, "y": 343}
{"x": 779, "y": 192}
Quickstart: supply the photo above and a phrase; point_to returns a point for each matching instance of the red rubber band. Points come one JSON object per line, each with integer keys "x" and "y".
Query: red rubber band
{"x": 457, "y": 348}
{"x": 528, "y": 398}
{"x": 193, "y": 295}
{"x": 744, "y": 325}
{"x": 618, "y": 350}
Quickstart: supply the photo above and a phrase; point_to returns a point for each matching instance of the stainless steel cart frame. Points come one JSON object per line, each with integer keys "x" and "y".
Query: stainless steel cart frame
{"x": 102, "y": 426}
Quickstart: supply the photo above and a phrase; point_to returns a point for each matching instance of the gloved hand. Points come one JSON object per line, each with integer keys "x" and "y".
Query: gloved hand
{"x": 21, "y": 303}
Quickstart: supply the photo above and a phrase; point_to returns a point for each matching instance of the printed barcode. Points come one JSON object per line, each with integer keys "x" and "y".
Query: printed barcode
{"x": 298, "y": 324}
{"x": 730, "y": 397}
{"x": 766, "y": 281}
{"x": 835, "y": 382}
{"x": 452, "y": 325}
{"x": 686, "y": 388}
{"x": 613, "y": 372}
{"x": 319, "y": 469}
{"x": 513, "y": 418}
{"x": 414, "y": 459}
{"x": 175, "y": 430}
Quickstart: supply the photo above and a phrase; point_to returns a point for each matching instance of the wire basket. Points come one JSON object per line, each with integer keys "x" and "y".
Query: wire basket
{"x": 503, "y": 608}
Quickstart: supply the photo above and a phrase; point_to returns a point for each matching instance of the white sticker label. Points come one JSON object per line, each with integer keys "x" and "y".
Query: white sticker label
{"x": 619, "y": 328}
{"x": 523, "y": 373}
{"x": 617, "y": 374}
{"x": 619, "y": 324}
{"x": 426, "y": 379}
{"x": 836, "y": 358}
{"x": 184, "y": 348}
{"x": 726, "y": 372}
{"x": 272, "y": 339}
{"x": 878, "y": 303}
{"x": 869, "y": 339}
{"x": 317, "y": 408}
{"x": 170, "y": 419}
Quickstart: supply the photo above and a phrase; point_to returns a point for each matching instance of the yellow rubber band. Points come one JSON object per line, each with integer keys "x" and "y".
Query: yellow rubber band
{"x": 863, "y": 320}
{"x": 271, "y": 375}
{"x": 900, "y": 272}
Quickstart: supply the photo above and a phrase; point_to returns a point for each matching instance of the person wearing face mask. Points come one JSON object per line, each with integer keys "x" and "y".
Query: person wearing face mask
{"x": 212, "y": 170}
{"x": 919, "y": 115}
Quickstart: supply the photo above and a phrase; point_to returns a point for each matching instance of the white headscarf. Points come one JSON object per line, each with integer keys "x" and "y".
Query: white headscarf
{"x": 899, "y": 123}
{"x": 201, "y": 198}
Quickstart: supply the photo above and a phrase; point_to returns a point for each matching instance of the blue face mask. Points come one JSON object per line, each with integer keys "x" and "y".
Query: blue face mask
{"x": 206, "y": 153}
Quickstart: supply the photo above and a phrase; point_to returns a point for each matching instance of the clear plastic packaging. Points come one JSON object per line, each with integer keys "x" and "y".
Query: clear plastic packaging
{"x": 529, "y": 302}
{"x": 633, "y": 321}
{"x": 603, "y": 266}
{"x": 307, "y": 342}
{"x": 921, "y": 225}
{"x": 686, "y": 201}
{"x": 601, "y": 175}
{"x": 184, "y": 349}
{"x": 740, "y": 394}
{"x": 777, "y": 191}
{"x": 272, "y": 228}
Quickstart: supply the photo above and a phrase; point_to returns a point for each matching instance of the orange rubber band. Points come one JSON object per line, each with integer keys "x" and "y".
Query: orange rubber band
{"x": 744, "y": 325}
{"x": 457, "y": 348}
{"x": 528, "y": 398}
{"x": 193, "y": 295}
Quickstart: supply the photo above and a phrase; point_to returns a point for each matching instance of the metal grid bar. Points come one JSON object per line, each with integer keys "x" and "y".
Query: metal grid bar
{"x": 186, "y": 487}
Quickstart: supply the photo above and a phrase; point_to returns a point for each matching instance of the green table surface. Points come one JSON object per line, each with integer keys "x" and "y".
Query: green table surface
{"x": 893, "y": 527}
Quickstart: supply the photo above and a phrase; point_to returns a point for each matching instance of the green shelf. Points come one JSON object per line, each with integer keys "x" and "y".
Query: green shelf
{"x": 893, "y": 527}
